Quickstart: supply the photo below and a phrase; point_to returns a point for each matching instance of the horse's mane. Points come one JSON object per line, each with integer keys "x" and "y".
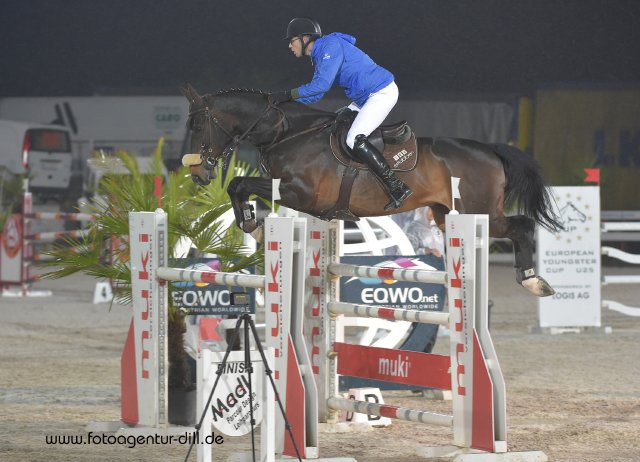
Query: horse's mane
{"x": 232, "y": 91}
{"x": 303, "y": 108}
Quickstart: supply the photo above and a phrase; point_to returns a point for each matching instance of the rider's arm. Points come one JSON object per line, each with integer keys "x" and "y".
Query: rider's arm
{"x": 327, "y": 66}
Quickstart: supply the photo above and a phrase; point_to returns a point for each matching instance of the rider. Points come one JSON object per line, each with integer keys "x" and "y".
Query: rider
{"x": 370, "y": 87}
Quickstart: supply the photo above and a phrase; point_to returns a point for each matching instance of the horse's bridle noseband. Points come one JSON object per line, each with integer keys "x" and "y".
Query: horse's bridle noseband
{"x": 208, "y": 158}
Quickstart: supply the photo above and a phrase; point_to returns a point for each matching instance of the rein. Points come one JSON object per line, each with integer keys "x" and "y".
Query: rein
{"x": 208, "y": 157}
{"x": 303, "y": 132}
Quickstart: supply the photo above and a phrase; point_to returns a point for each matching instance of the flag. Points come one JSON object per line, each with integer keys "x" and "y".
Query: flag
{"x": 275, "y": 189}
{"x": 593, "y": 175}
{"x": 455, "y": 192}
{"x": 157, "y": 189}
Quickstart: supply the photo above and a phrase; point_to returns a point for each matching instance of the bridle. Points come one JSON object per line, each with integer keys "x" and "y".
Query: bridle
{"x": 210, "y": 161}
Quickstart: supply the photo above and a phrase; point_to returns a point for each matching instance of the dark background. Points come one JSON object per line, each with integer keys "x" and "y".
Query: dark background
{"x": 51, "y": 48}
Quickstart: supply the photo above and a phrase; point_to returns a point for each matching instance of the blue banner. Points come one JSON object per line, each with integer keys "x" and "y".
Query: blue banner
{"x": 200, "y": 298}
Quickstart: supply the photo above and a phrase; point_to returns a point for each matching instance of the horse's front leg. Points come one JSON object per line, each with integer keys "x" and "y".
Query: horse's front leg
{"x": 239, "y": 190}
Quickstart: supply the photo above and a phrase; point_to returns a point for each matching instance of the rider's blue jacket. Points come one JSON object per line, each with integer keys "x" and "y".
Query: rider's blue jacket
{"x": 338, "y": 61}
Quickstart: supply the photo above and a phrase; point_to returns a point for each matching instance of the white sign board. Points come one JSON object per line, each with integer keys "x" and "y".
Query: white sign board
{"x": 570, "y": 260}
{"x": 229, "y": 410}
{"x": 11, "y": 249}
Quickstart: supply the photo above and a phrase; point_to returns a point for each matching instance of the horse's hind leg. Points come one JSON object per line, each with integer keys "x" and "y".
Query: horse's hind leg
{"x": 520, "y": 229}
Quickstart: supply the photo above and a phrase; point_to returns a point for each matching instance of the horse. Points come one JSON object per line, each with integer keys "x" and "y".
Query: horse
{"x": 296, "y": 144}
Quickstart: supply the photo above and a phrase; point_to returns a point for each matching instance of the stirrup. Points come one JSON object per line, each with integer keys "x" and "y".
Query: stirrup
{"x": 395, "y": 203}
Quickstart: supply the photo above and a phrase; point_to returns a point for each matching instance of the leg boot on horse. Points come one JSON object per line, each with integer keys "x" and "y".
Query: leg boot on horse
{"x": 367, "y": 153}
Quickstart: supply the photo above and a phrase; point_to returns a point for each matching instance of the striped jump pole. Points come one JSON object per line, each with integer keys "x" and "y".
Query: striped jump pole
{"x": 393, "y": 412}
{"x": 211, "y": 277}
{"x": 397, "y": 274}
{"x": 51, "y": 236}
{"x": 61, "y": 216}
{"x": 392, "y": 314}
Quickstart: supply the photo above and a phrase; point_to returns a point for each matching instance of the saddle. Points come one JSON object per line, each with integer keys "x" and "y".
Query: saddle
{"x": 396, "y": 142}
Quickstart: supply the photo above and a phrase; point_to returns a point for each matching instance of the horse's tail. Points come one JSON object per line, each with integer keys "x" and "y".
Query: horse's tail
{"x": 526, "y": 187}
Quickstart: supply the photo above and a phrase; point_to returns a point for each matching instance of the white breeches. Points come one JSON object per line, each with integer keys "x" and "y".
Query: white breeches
{"x": 373, "y": 112}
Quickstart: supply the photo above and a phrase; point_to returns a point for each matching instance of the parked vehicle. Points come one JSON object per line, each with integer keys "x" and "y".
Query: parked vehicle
{"x": 98, "y": 168}
{"x": 42, "y": 152}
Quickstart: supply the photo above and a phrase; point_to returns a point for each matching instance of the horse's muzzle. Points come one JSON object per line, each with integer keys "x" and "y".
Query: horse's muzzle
{"x": 191, "y": 160}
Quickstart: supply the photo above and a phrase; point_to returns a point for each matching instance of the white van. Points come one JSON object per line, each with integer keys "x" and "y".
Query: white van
{"x": 41, "y": 151}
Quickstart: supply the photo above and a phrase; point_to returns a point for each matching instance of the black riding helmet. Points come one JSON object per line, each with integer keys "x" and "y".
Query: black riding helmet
{"x": 303, "y": 26}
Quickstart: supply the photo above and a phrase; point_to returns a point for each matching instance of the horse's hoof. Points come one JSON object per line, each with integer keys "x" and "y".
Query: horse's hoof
{"x": 538, "y": 286}
{"x": 258, "y": 234}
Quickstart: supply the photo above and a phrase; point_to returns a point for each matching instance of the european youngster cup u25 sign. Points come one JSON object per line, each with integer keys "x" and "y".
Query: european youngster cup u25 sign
{"x": 570, "y": 260}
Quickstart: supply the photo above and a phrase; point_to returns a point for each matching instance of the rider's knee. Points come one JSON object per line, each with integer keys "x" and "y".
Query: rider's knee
{"x": 354, "y": 139}
{"x": 351, "y": 139}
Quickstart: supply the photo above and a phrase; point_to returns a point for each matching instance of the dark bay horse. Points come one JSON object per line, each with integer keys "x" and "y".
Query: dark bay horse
{"x": 294, "y": 145}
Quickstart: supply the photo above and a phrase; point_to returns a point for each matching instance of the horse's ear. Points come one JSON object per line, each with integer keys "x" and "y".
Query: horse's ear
{"x": 191, "y": 94}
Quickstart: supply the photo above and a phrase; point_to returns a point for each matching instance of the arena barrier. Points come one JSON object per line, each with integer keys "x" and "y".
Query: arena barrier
{"x": 634, "y": 259}
{"x": 144, "y": 359}
{"x": 19, "y": 246}
{"x": 471, "y": 370}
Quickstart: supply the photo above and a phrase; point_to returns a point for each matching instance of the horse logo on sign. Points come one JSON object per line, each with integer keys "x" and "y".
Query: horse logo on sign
{"x": 570, "y": 213}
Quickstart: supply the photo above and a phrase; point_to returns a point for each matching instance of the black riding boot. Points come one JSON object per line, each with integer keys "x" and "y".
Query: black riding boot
{"x": 394, "y": 186}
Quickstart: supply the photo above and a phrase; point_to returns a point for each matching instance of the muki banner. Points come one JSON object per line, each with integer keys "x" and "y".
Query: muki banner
{"x": 201, "y": 298}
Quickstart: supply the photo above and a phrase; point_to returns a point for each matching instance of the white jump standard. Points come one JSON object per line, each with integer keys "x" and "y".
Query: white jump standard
{"x": 145, "y": 361}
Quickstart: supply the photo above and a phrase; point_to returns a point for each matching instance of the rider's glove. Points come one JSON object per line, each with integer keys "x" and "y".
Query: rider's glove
{"x": 344, "y": 113}
{"x": 281, "y": 96}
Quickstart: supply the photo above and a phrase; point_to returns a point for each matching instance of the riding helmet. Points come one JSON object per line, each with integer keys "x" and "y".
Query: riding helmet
{"x": 303, "y": 26}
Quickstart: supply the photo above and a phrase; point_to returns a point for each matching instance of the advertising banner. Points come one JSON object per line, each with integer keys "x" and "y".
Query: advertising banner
{"x": 201, "y": 298}
{"x": 395, "y": 294}
{"x": 570, "y": 260}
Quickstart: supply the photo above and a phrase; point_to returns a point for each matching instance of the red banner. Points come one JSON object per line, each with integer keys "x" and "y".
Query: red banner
{"x": 397, "y": 366}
